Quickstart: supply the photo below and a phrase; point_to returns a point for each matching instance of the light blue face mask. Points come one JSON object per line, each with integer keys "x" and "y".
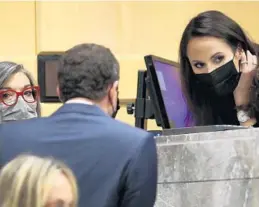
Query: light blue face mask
{"x": 21, "y": 110}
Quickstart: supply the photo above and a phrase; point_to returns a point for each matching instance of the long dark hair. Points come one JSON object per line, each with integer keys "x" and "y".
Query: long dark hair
{"x": 213, "y": 24}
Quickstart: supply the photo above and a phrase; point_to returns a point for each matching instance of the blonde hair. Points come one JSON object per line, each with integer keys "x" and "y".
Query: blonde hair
{"x": 24, "y": 181}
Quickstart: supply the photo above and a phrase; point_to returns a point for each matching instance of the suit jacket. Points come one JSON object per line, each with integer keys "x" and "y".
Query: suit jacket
{"x": 115, "y": 164}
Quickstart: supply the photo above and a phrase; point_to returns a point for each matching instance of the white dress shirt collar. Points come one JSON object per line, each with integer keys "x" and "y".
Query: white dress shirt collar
{"x": 80, "y": 102}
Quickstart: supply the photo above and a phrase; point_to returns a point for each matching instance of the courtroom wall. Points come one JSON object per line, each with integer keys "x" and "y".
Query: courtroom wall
{"x": 130, "y": 29}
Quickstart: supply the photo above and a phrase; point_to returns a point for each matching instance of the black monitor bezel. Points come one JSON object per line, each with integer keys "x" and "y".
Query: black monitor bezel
{"x": 155, "y": 91}
{"x": 41, "y": 60}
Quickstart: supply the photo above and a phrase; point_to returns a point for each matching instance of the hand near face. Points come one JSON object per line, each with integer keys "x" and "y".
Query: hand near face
{"x": 248, "y": 62}
{"x": 248, "y": 65}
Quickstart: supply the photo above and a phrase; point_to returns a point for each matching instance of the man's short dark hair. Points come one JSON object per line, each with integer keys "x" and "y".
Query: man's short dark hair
{"x": 87, "y": 70}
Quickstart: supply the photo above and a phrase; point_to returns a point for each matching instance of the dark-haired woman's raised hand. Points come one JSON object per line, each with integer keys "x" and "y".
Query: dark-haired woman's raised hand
{"x": 248, "y": 64}
{"x": 242, "y": 93}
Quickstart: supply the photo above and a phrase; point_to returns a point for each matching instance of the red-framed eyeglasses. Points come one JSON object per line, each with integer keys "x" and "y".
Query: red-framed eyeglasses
{"x": 9, "y": 97}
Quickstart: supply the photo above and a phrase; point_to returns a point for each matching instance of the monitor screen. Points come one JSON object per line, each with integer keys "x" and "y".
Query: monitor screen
{"x": 47, "y": 76}
{"x": 51, "y": 78}
{"x": 168, "y": 88}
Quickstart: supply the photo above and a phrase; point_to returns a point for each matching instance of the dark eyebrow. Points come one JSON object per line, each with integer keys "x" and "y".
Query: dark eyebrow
{"x": 213, "y": 56}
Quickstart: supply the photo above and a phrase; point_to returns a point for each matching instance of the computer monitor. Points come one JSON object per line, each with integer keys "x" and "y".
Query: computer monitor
{"x": 166, "y": 92}
{"x": 48, "y": 63}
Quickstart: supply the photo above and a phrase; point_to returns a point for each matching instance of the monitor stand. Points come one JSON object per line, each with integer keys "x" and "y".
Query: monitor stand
{"x": 142, "y": 108}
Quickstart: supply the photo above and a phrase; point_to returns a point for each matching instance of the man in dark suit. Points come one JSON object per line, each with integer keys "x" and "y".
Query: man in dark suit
{"x": 115, "y": 164}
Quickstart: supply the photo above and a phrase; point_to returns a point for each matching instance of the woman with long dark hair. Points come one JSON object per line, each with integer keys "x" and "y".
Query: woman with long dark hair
{"x": 218, "y": 65}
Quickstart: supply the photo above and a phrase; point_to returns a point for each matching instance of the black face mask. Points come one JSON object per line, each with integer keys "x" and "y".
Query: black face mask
{"x": 223, "y": 81}
{"x": 117, "y": 109}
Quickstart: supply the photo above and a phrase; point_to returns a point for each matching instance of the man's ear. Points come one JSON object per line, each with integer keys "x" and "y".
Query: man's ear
{"x": 58, "y": 93}
{"x": 115, "y": 85}
{"x": 113, "y": 88}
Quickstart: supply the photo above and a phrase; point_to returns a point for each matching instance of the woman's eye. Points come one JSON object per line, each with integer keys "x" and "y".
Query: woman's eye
{"x": 6, "y": 95}
{"x": 218, "y": 59}
{"x": 199, "y": 65}
{"x": 28, "y": 93}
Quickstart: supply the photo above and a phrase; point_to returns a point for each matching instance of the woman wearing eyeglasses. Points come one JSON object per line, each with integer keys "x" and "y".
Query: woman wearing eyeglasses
{"x": 19, "y": 97}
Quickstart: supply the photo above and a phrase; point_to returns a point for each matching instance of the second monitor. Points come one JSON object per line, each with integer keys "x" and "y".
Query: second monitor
{"x": 166, "y": 92}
